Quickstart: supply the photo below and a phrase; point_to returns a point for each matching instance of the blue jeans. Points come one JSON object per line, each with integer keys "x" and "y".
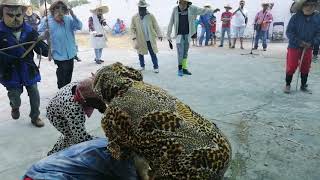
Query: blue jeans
{"x": 34, "y": 98}
{"x": 85, "y": 161}
{"x": 153, "y": 57}
{"x": 183, "y": 48}
{"x": 263, "y": 36}
{"x": 223, "y": 32}
{"x": 205, "y": 30}
{"x": 98, "y": 53}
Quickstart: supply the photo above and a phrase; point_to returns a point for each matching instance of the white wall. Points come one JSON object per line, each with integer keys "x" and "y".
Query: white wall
{"x": 125, "y": 9}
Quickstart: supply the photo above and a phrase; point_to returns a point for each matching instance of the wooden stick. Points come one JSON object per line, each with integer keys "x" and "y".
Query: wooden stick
{"x": 18, "y": 45}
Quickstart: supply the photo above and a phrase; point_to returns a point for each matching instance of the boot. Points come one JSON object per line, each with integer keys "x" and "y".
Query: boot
{"x": 15, "y": 113}
{"x": 180, "y": 71}
{"x": 37, "y": 122}
{"x": 304, "y": 88}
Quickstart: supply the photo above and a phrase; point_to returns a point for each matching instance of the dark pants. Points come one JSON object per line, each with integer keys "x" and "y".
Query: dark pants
{"x": 34, "y": 97}
{"x": 64, "y": 72}
{"x": 316, "y": 49}
{"x": 153, "y": 57}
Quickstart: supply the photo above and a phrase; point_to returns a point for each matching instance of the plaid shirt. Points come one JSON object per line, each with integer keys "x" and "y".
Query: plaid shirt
{"x": 265, "y": 19}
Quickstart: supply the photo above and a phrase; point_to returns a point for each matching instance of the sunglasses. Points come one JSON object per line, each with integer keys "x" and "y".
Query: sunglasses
{"x": 13, "y": 15}
{"x": 310, "y": 4}
{"x": 64, "y": 8}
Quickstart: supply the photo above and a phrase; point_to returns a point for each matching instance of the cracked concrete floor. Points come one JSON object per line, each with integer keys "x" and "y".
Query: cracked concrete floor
{"x": 273, "y": 135}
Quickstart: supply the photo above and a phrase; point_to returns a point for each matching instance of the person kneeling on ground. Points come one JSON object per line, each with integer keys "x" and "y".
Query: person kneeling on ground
{"x": 85, "y": 161}
{"x": 303, "y": 32}
{"x": 67, "y": 111}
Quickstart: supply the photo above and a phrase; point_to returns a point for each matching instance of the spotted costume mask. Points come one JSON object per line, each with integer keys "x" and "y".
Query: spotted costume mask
{"x": 13, "y": 16}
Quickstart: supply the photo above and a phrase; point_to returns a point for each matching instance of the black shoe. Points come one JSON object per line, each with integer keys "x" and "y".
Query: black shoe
{"x": 98, "y": 61}
{"x": 186, "y": 72}
{"x": 77, "y": 58}
{"x": 101, "y": 60}
{"x": 264, "y": 49}
{"x": 221, "y": 46}
{"x": 304, "y": 88}
{"x": 255, "y": 48}
{"x": 15, "y": 113}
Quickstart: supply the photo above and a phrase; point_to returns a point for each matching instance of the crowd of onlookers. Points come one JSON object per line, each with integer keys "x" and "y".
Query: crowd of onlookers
{"x": 234, "y": 22}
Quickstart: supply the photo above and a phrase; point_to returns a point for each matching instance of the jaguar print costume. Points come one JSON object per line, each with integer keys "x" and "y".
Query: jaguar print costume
{"x": 144, "y": 120}
{"x": 68, "y": 117}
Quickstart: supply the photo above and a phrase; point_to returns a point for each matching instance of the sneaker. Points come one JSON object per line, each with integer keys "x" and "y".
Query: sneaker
{"x": 304, "y": 88}
{"x": 37, "y": 122}
{"x": 15, "y": 113}
{"x": 232, "y": 47}
{"x": 141, "y": 69}
{"x": 220, "y": 46}
{"x": 264, "y": 49}
{"x": 180, "y": 73}
{"x": 156, "y": 71}
{"x": 287, "y": 89}
{"x": 101, "y": 60}
{"x": 255, "y": 48}
{"x": 186, "y": 72}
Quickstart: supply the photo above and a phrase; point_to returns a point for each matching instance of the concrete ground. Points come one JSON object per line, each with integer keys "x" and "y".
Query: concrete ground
{"x": 273, "y": 135}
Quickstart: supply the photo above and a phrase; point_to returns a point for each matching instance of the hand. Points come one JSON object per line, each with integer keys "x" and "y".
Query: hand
{"x": 305, "y": 44}
{"x": 160, "y": 38}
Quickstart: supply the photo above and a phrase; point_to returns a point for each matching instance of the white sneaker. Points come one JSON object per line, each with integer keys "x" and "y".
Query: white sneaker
{"x": 141, "y": 69}
{"x": 156, "y": 70}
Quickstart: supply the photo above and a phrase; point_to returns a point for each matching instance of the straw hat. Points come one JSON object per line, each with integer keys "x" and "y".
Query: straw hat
{"x": 228, "y": 6}
{"x": 207, "y": 5}
{"x": 143, "y": 3}
{"x": 104, "y": 8}
{"x": 15, "y": 3}
{"x": 185, "y": 0}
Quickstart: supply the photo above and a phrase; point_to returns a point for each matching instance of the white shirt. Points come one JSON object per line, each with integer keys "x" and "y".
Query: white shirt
{"x": 238, "y": 19}
{"x": 17, "y": 35}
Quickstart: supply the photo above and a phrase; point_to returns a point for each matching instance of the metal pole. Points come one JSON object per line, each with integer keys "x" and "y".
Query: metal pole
{"x": 49, "y": 38}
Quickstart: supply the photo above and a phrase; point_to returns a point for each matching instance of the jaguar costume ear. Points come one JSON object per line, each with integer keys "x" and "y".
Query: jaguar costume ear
{"x": 108, "y": 85}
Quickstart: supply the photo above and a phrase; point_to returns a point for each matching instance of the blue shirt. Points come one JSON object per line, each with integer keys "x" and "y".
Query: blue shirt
{"x": 85, "y": 161}
{"x": 303, "y": 28}
{"x": 63, "y": 43}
